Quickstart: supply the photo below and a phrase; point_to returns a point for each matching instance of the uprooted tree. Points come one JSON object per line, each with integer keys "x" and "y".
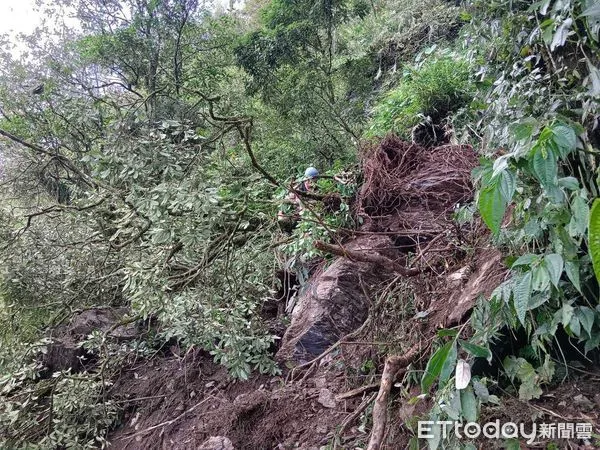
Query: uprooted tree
{"x": 144, "y": 155}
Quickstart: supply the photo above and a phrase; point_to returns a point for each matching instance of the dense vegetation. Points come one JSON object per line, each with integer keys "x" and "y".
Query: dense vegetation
{"x": 144, "y": 156}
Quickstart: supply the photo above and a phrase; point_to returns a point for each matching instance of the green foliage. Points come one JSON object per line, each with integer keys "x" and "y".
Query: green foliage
{"x": 430, "y": 90}
{"x": 530, "y": 378}
{"x": 436, "y": 364}
{"x": 594, "y": 236}
{"x": 65, "y": 411}
{"x": 136, "y": 185}
{"x": 559, "y": 215}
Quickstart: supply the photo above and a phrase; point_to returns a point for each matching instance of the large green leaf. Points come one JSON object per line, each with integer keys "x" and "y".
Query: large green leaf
{"x": 540, "y": 278}
{"x": 524, "y": 129}
{"x": 507, "y": 184}
{"x": 434, "y": 366}
{"x": 592, "y": 11}
{"x": 594, "y": 237}
{"x": 560, "y": 36}
{"x": 554, "y": 264}
{"x": 529, "y": 388}
{"x": 521, "y": 296}
{"x": 565, "y": 138}
{"x": 580, "y": 217}
{"x": 449, "y": 364}
{"x": 575, "y": 326}
{"x": 525, "y": 260}
{"x": 492, "y": 207}
{"x": 572, "y": 269}
{"x": 476, "y": 350}
{"x": 586, "y": 316}
{"x": 544, "y": 165}
{"x": 468, "y": 404}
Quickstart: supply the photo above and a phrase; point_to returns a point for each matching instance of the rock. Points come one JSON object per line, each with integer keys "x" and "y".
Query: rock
{"x": 250, "y": 400}
{"x": 489, "y": 274}
{"x": 216, "y": 443}
{"x": 320, "y": 382}
{"x": 326, "y": 398}
{"x": 583, "y": 402}
{"x": 65, "y": 352}
{"x": 334, "y": 303}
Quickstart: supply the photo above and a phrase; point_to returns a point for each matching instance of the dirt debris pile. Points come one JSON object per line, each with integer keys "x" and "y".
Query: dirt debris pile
{"x": 407, "y": 199}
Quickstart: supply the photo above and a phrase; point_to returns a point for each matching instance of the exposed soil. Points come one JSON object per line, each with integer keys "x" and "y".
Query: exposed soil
{"x": 180, "y": 402}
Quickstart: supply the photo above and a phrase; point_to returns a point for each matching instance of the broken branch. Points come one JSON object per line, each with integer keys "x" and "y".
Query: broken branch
{"x": 393, "y": 365}
{"x": 376, "y": 259}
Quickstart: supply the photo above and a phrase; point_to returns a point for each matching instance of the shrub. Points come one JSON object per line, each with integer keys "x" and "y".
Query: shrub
{"x": 434, "y": 89}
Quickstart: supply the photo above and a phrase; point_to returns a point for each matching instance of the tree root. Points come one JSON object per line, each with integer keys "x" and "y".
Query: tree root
{"x": 373, "y": 258}
{"x": 351, "y": 418}
{"x": 393, "y": 365}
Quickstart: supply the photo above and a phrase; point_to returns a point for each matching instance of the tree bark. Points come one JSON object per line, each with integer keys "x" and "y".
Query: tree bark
{"x": 374, "y": 258}
{"x": 393, "y": 365}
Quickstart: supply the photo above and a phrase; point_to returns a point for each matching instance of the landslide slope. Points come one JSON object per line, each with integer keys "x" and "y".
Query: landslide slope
{"x": 409, "y": 270}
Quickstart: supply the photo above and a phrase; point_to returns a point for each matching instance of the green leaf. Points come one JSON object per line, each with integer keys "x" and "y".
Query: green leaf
{"x": 469, "y": 404}
{"x": 547, "y": 27}
{"x": 540, "y": 279}
{"x": 570, "y": 183}
{"x": 413, "y": 444}
{"x": 512, "y": 444}
{"x": 507, "y": 184}
{"x": 453, "y": 407}
{"x": 434, "y": 366}
{"x": 586, "y": 316}
{"x": 492, "y": 207}
{"x": 521, "y": 296}
{"x": 594, "y": 237}
{"x": 546, "y": 370}
{"x": 524, "y": 129}
{"x": 554, "y": 264}
{"x": 565, "y": 138}
{"x": 525, "y": 260}
{"x": 565, "y": 314}
{"x": 436, "y": 432}
{"x": 481, "y": 390}
{"x": 560, "y": 36}
{"x": 449, "y": 364}
{"x": 544, "y": 165}
{"x": 511, "y": 366}
{"x": 446, "y": 332}
{"x": 476, "y": 350}
{"x": 580, "y": 217}
{"x": 575, "y": 326}
{"x": 572, "y": 269}
{"x": 524, "y": 371}
{"x": 565, "y": 245}
{"x": 592, "y": 11}
{"x": 592, "y": 343}
{"x": 539, "y": 298}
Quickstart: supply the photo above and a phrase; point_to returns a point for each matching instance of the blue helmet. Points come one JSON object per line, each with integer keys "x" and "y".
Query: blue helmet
{"x": 311, "y": 172}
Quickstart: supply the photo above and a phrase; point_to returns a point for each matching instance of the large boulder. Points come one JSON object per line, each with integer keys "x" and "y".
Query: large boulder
{"x": 65, "y": 352}
{"x": 334, "y": 303}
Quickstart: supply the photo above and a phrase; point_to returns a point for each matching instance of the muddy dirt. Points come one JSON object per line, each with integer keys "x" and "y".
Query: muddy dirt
{"x": 181, "y": 402}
